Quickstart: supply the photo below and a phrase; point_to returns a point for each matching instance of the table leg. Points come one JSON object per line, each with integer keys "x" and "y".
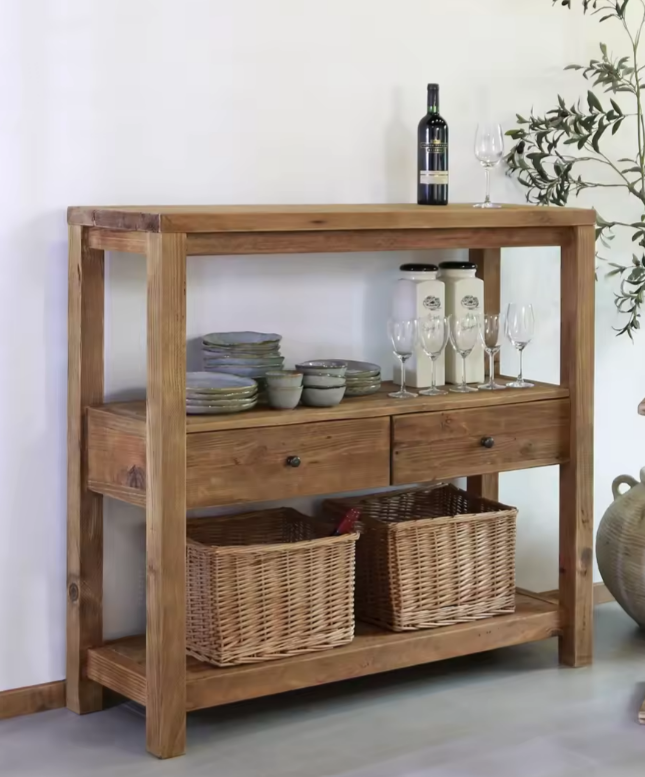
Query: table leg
{"x": 166, "y": 496}
{"x": 576, "y": 476}
{"x": 84, "y": 508}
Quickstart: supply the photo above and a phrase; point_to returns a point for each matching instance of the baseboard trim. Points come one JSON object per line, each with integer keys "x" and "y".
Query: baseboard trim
{"x": 601, "y": 595}
{"x": 32, "y": 698}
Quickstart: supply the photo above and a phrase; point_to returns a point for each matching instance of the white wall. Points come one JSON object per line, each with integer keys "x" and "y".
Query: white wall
{"x": 136, "y": 101}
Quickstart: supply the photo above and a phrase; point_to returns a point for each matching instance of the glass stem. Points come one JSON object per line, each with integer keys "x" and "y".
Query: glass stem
{"x": 521, "y": 377}
{"x": 487, "y": 171}
{"x": 434, "y": 374}
{"x": 463, "y": 372}
{"x": 491, "y": 368}
{"x": 402, "y": 374}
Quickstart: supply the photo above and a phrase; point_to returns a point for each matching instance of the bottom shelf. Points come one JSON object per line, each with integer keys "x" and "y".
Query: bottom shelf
{"x": 121, "y": 665}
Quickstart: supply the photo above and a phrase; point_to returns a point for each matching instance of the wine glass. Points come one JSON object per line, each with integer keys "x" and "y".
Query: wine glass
{"x": 489, "y": 150}
{"x": 492, "y": 331}
{"x": 403, "y": 335}
{"x": 433, "y": 337}
{"x": 520, "y": 328}
{"x": 464, "y": 334}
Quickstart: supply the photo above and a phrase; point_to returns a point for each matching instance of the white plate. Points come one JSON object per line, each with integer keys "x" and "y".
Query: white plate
{"x": 217, "y": 381}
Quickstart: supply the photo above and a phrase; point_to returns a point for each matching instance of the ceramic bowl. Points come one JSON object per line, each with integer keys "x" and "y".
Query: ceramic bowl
{"x": 324, "y": 381}
{"x": 323, "y": 397}
{"x": 284, "y": 379}
{"x": 318, "y": 367}
{"x": 284, "y": 398}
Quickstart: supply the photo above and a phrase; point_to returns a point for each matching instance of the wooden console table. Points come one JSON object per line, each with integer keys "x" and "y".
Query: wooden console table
{"x": 152, "y": 455}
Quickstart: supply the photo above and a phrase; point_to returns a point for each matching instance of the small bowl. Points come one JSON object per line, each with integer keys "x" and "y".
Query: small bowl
{"x": 284, "y": 379}
{"x": 318, "y": 367}
{"x": 324, "y": 381}
{"x": 284, "y": 398}
{"x": 323, "y": 397}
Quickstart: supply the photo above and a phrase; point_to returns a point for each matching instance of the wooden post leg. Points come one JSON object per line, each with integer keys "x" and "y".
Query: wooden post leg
{"x": 489, "y": 269}
{"x": 84, "y": 508}
{"x": 576, "y": 476}
{"x": 166, "y": 496}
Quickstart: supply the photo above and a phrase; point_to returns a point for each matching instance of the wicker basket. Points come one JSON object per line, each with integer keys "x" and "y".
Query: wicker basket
{"x": 432, "y": 557}
{"x": 267, "y": 585}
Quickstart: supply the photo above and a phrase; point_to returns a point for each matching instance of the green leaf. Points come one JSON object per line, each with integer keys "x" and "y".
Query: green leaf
{"x": 594, "y": 102}
{"x": 603, "y": 48}
{"x": 573, "y": 67}
{"x": 616, "y": 107}
{"x": 617, "y": 126}
{"x": 596, "y": 138}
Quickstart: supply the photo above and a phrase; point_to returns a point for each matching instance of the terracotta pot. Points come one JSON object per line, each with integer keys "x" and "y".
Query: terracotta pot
{"x": 620, "y": 546}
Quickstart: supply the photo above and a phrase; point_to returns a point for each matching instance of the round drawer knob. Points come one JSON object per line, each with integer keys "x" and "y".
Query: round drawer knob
{"x": 488, "y": 442}
{"x": 293, "y": 461}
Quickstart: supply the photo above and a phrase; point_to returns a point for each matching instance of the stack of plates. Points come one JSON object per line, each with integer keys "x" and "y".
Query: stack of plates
{"x": 248, "y": 354}
{"x": 363, "y": 378}
{"x": 215, "y": 393}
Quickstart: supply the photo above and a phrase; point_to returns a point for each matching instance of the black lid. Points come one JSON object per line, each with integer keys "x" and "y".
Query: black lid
{"x": 458, "y": 266}
{"x": 418, "y": 268}
{"x": 433, "y": 87}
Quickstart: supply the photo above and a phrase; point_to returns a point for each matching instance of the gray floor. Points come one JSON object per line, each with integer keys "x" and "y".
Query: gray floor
{"x": 511, "y": 713}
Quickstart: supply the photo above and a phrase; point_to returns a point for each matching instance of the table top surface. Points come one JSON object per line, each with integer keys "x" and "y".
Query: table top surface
{"x": 300, "y": 218}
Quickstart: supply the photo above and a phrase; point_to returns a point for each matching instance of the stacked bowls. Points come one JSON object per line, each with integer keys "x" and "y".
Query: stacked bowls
{"x": 324, "y": 382}
{"x": 248, "y": 354}
{"x": 363, "y": 378}
{"x": 213, "y": 393}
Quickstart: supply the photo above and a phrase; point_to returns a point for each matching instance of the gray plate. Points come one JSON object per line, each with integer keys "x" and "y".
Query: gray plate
{"x": 241, "y": 338}
{"x": 218, "y": 382}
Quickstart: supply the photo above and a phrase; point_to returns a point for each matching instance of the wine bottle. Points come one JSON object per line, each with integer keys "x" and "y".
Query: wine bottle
{"x": 432, "y": 179}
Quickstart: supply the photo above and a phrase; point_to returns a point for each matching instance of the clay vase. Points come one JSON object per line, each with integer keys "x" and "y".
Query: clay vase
{"x": 620, "y": 546}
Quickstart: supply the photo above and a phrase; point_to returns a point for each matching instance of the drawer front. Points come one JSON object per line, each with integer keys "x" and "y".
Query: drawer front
{"x": 253, "y": 465}
{"x": 431, "y": 446}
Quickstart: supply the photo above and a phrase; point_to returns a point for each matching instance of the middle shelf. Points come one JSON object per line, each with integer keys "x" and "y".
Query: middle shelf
{"x": 364, "y": 443}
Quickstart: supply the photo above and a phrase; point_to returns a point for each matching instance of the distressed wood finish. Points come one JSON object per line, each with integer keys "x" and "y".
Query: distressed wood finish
{"x": 121, "y": 665}
{"x": 352, "y": 241}
{"x": 33, "y": 698}
{"x": 489, "y": 269}
{"x": 166, "y": 496}
{"x": 434, "y": 446}
{"x": 251, "y": 465}
{"x": 84, "y": 508}
{"x": 156, "y": 457}
{"x": 316, "y": 218}
{"x": 241, "y": 458}
{"x": 576, "y": 476}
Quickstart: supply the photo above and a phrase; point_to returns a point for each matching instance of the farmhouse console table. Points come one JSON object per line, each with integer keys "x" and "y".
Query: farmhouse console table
{"x": 150, "y": 454}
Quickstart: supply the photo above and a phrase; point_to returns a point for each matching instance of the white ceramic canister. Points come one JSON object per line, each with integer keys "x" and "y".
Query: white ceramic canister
{"x": 417, "y": 294}
{"x": 464, "y": 294}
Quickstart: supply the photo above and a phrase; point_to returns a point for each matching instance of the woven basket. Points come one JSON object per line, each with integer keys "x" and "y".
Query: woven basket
{"x": 432, "y": 557}
{"x": 267, "y": 585}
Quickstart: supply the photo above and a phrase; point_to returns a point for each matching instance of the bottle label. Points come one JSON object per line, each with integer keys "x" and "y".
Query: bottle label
{"x": 432, "y": 303}
{"x": 433, "y": 177}
{"x": 470, "y": 302}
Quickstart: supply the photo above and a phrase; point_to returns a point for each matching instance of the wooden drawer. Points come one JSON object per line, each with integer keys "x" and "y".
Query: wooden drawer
{"x": 431, "y": 446}
{"x": 249, "y": 465}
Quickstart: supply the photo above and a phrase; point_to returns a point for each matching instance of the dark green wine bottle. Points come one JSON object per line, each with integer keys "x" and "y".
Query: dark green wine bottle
{"x": 432, "y": 174}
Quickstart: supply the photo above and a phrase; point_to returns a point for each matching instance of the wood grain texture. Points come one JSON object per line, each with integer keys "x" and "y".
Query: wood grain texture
{"x": 434, "y": 446}
{"x": 489, "y": 269}
{"x": 250, "y": 465}
{"x": 166, "y": 496}
{"x": 31, "y": 699}
{"x": 84, "y": 508}
{"x": 484, "y": 485}
{"x": 371, "y": 652}
{"x": 287, "y": 218}
{"x": 353, "y": 241}
{"x": 601, "y": 595}
{"x": 115, "y": 240}
{"x": 576, "y": 476}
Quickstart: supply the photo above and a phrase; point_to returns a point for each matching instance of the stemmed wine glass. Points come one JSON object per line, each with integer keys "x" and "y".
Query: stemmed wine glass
{"x": 492, "y": 331}
{"x": 464, "y": 334}
{"x": 403, "y": 335}
{"x": 520, "y": 328}
{"x": 433, "y": 337}
{"x": 489, "y": 150}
